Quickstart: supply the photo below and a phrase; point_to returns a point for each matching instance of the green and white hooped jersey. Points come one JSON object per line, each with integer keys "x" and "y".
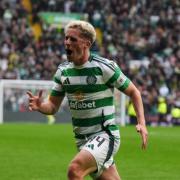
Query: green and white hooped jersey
{"x": 89, "y": 89}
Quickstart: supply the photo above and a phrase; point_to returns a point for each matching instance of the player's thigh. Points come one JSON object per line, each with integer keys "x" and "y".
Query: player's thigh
{"x": 110, "y": 174}
{"x": 84, "y": 162}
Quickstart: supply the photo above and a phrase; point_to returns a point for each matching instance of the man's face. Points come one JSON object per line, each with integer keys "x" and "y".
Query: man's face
{"x": 75, "y": 45}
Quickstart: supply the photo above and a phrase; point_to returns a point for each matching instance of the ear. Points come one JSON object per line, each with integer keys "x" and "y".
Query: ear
{"x": 88, "y": 43}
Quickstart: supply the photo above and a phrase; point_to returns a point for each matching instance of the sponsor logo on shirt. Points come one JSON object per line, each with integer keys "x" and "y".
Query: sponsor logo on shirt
{"x": 79, "y": 96}
{"x": 82, "y": 105}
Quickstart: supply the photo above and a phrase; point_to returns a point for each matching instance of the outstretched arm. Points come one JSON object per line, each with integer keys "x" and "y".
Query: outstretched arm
{"x": 49, "y": 106}
{"x": 136, "y": 99}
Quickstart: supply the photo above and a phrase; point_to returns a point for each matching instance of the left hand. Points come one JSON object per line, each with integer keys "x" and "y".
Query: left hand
{"x": 34, "y": 101}
{"x": 144, "y": 134}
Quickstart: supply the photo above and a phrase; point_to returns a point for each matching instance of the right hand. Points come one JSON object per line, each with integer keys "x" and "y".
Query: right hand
{"x": 144, "y": 134}
{"x": 34, "y": 101}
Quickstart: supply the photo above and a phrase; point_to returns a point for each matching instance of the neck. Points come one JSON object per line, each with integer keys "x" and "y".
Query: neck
{"x": 83, "y": 60}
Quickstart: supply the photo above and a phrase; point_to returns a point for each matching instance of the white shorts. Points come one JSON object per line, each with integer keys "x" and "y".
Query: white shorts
{"x": 103, "y": 147}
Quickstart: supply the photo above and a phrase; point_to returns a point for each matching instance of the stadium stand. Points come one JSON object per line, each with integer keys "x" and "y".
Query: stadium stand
{"x": 142, "y": 36}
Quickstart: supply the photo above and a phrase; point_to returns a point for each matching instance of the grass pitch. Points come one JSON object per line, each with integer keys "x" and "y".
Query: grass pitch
{"x": 43, "y": 152}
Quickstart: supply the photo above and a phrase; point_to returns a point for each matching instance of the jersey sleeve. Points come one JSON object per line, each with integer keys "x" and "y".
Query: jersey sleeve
{"x": 114, "y": 77}
{"x": 57, "y": 89}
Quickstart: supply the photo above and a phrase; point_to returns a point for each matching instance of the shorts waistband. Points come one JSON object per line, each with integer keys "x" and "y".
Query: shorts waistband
{"x": 85, "y": 136}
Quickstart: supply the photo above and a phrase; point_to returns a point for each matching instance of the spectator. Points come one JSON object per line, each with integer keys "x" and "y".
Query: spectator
{"x": 146, "y": 31}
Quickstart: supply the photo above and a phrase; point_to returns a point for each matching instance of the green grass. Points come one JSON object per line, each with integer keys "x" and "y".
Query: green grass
{"x": 43, "y": 152}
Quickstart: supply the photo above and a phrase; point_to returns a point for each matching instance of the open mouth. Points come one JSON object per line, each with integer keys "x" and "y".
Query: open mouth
{"x": 68, "y": 52}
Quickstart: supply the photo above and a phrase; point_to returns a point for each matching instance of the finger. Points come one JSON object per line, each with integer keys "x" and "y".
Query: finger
{"x": 138, "y": 128}
{"x": 30, "y": 100}
{"x": 29, "y": 94}
{"x": 30, "y": 108}
{"x": 40, "y": 93}
{"x": 144, "y": 139}
{"x": 143, "y": 146}
{"x": 30, "y": 104}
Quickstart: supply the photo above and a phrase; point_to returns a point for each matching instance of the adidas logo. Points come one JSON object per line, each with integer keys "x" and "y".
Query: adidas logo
{"x": 66, "y": 81}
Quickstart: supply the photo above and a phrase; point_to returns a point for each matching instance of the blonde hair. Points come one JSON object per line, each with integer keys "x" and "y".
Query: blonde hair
{"x": 86, "y": 29}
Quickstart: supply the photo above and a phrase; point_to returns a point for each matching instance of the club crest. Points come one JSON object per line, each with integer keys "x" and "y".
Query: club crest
{"x": 91, "y": 80}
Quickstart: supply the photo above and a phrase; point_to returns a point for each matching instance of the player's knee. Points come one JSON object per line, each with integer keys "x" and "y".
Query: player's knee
{"x": 75, "y": 171}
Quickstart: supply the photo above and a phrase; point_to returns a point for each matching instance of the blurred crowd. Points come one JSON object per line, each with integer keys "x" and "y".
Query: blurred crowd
{"x": 142, "y": 36}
